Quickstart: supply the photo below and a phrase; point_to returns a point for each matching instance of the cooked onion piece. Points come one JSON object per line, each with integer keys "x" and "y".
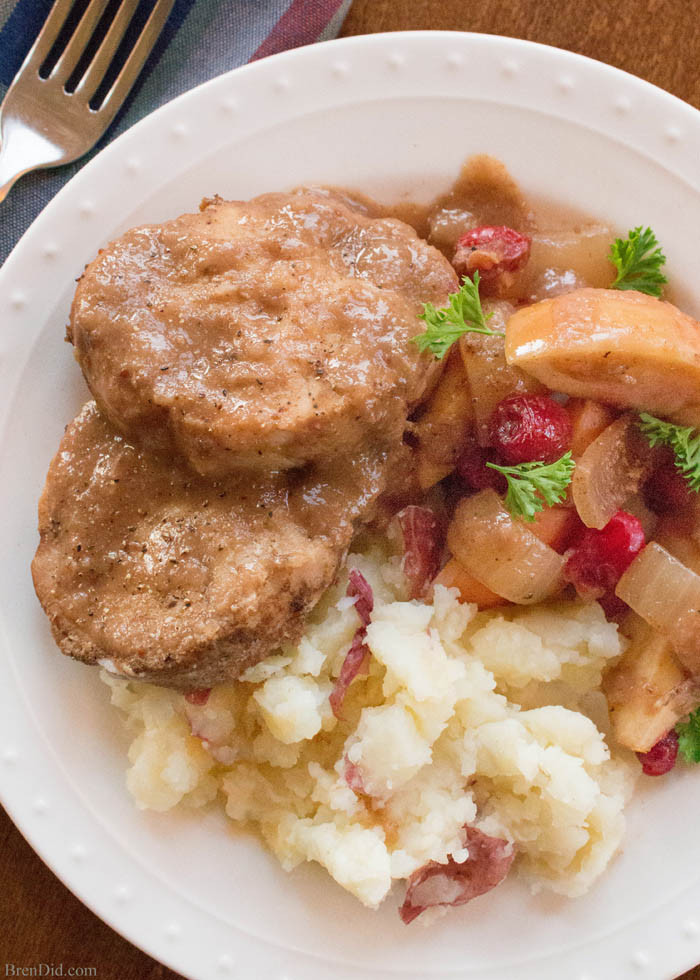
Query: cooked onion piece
{"x": 674, "y": 536}
{"x": 490, "y": 378}
{"x": 648, "y": 690}
{"x": 610, "y": 471}
{"x": 502, "y": 553}
{"x": 562, "y": 260}
{"x": 619, "y": 347}
{"x": 666, "y": 595}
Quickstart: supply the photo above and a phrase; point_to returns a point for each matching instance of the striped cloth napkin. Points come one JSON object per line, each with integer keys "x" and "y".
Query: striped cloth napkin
{"x": 202, "y": 39}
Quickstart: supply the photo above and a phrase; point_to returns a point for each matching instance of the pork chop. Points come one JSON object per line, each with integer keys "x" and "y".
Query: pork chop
{"x": 157, "y": 573}
{"x": 262, "y": 334}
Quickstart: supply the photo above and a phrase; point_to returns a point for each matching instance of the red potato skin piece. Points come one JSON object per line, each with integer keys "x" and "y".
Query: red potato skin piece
{"x": 353, "y": 777}
{"x": 360, "y": 589}
{"x": 356, "y": 662}
{"x": 488, "y": 864}
{"x": 357, "y": 658}
{"x": 422, "y": 535}
{"x": 199, "y": 695}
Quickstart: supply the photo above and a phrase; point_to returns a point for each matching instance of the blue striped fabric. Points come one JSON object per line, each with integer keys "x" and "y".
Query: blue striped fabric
{"x": 202, "y": 39}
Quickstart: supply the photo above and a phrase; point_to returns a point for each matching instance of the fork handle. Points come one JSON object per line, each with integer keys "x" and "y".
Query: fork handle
{"x": 23, "y": 149}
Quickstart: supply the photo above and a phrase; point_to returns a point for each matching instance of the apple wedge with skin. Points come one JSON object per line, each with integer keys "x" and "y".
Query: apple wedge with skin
{"x": 648, "y": 690}
{"x": 619, "y": 347}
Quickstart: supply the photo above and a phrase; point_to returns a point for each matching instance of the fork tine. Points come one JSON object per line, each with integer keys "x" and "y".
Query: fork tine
{"x": 134, "y": 63}
{"x": 66, "y": 64}
{"x": 95, "y": 72}
{"x": 47, "y": 35}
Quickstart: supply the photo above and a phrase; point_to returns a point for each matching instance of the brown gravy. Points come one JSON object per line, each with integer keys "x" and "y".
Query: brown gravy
{"x": 240, "y": 558}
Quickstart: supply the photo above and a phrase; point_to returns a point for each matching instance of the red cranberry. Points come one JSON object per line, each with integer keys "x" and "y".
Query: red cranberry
{"x": 473, "y": 472}
{"x": 613, "y": 606}
{"x": 524, "y": 428}
{"x": 599, "y": 558}
{"x": 667, "y": 489}
{"x": 661, "y": 758}
{"x": 495, "y": 252}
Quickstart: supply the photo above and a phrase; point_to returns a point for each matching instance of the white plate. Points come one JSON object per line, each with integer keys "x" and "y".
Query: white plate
{"x": 388, "y": 114}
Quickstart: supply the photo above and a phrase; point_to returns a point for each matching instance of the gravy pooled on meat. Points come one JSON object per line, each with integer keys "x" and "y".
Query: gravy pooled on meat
{"x": 158, "y": 573}
{"x": 254, "y": 373}
{"x": 262, "y": 334}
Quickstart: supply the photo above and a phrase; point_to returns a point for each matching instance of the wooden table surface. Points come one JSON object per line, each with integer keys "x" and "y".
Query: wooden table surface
{"x": 659, "y": 40}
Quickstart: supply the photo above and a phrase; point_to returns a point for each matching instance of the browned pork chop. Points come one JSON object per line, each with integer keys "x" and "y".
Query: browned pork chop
{"x": 261, "y": 334}
{"x": 160, "y": 574}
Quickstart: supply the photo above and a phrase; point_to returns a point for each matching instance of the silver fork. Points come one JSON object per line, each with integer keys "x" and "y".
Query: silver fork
{"x": 43, "y": 125}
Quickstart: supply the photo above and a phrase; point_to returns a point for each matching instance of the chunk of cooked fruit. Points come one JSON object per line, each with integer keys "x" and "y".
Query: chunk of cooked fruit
{"x": 661, "y": 757}
{"x": 496, "y": 252}
{"x": 623, "y": 348}
{"x": 667, "y": 490}
{"x": 475, "y": 474}
{"x": 556, "y": 526}
{"x": 588, "y": 420}
{"x": 599, "y": 558}
{"x": 528, "y": 428}
{"x": 444, "y": 427}
{"x": 455, "y": 576}
{"x": 503, "y": 553}
{"x": 490, "y": 378}
{"x": 647, "y": 688}
{"x": 610, "y": 471}
{"x": 636, "y": 506}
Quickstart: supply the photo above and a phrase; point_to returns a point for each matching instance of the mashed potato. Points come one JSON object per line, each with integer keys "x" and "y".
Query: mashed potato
{"x": 490, "y": 719}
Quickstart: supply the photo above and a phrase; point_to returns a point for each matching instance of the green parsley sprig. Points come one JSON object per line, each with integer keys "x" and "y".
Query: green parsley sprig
{"x": 638, "y": 260}
{"x": 689, "y": 737}
{"x": 532, "y": 485}
{"x": 685, "y": 443}
{"x": 463, "y": 315}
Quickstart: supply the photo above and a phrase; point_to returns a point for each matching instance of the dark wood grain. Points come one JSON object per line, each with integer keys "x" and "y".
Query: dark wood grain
{"x": 659, "y": 40}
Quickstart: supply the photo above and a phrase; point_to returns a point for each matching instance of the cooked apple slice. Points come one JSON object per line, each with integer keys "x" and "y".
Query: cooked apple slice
{"x": 445, "y": 426}
{"x": 647, "y": 690}
{"x": 490, "y": 378}
{"x": 619, "y": 347}
{"x": 588, "y": 420}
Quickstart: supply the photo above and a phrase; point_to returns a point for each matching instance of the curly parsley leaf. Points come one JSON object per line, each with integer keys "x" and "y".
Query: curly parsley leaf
{"x": 532, "y": 485}
{"x": 689, "y": 737}
{"x": 685, "y": 443}
{"x": 638, "y": 260}
{"x": 463, "y": 315}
